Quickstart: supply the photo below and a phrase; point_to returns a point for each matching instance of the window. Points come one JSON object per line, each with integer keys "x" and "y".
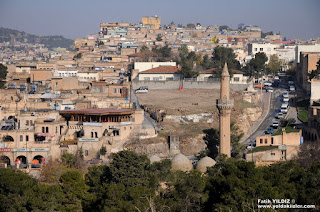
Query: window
{"x": 156, "y": 78}
{"x": 119, "y": 90}
{"x": 21, "y": 137}
{"x": 27, "y": 138}
{"x": 255, "y": 49}
{"x": 96, "y": 134}
{"x": 271, "y": 140}
{"x": 86, "y": 152}
{"x": 27, "y": 122}
{"x": 146, "y": 78}
{"x": 236, "y": 79}
{"x": 43, "y": 130}
{"x": 265, "y": 141}
{"x": 261, "y": 141}
{"x": 91, "y": 134}
{"x": 47, "y": 129}
{"x": 114, "y": 90}
{"x": 273, "y": 153}
{"x": 56, "y": 84}
{"x": 261, "y": 49}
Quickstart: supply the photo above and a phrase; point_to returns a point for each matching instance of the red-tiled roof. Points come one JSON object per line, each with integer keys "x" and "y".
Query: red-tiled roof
{"x": 162, "y": 70}
{"x": 213, "y": 70}
{"x": 98, "y": 111}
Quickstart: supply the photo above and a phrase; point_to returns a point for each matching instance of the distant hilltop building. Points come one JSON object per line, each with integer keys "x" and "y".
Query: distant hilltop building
{"x": 151, "y": 20}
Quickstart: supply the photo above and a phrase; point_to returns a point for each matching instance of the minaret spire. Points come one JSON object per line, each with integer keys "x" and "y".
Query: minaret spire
{"x": 225, "y": 104}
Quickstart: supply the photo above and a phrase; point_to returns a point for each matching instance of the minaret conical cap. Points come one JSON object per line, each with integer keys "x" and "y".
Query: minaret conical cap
{"x": 225, "y": 71}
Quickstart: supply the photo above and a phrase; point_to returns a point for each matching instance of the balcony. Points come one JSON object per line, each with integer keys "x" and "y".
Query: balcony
{"x": 222, "y": 103}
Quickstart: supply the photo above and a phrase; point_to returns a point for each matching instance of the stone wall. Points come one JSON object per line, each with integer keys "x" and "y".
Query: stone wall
{"x": 186, "y": 84}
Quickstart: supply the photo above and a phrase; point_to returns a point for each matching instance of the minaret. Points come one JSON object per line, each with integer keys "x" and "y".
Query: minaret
{"x": 224, "y": 105}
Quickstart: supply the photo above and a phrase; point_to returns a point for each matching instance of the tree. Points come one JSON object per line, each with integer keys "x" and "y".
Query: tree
{"x": 130, "y": 168}
{"x": 287, "y": 122}
{"x": 274, "y": 64}
{"x": 52, "y": 171}
{"x": 159, "y": 37}
{"x": 222, "y": 55}
{"x": 206, "y": 63}
{"x": 183, "y": 51}
{"x": 308, "y": 154}
{"x": 75, "y": 190}
{"x": 257, "y": 64}
{"x": 316, "y": 72}
{"x": 3, "y": 74}
{"x": 69, "y": 159}
{"x": 144, "y": 48}
{"x": 191, "y": 25}
{"x": 103, "y": 150}
{"x": 223, "y": 27}
{"x": 78, "y": 56}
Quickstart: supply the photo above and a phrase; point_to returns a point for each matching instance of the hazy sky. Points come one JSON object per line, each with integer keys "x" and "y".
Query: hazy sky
{"x": 77, "y": 18}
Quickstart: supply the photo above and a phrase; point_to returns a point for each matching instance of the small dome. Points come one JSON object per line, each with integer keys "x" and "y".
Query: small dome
{"x": 181, "y": 163}
{"x": 204, "y": 163}
{"x": 154, "y": 158}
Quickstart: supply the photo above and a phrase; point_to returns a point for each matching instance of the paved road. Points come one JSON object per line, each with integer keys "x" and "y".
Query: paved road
{"x": 148, "y": 122}
{"x": 263, "y": 124}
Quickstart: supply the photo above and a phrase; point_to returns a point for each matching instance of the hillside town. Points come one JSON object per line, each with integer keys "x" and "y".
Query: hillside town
{"x": 89, "y": 99}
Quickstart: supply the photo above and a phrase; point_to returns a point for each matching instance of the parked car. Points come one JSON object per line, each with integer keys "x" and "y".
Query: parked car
{"x": 292, "y": 88}
{"x": 275, "y": 124}
{"x": 270, "y": 90}
{"x": 251, "y": 146}
{"x": 280, "y": 115}
{"x": 285, "y": 99}
{"x": 285, "y": 94}
{"x": 267, "y": 83}
{"x": 142, "y": 90}
{"x": 270, "y": 130}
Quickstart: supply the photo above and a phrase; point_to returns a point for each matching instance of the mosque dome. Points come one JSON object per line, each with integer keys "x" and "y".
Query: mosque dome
{"x": 181, "y": 163}
{"x": 204, "y": 163}
{"x": 154, "y": 158}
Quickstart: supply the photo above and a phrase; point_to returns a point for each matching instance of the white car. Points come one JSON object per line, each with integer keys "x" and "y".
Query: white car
{"x": 268, "y": 83}
{"x": 285, "y": 99}
{"x": 275, "y": 124}
{"x": 292, "y": 88}
{"x": 285, "y": 95}
{"x": 284, "y": 110}
{"x": 141, "y": 91}
{"x": 270, "y": 90}
{"x": 280, "y": 115}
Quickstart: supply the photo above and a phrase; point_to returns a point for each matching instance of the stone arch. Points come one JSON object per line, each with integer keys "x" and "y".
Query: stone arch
{"x": 23, "y": 159}
{"x": 7, "y": 138}
{"x": 5, "y": 159}
{"x": 40, "y": 158}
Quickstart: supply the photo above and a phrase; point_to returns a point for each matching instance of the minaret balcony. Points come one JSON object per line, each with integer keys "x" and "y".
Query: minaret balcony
{"x": 225, "y": 103}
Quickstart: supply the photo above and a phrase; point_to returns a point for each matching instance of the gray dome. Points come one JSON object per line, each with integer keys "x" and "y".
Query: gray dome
{"x": 181, "y": 163}
{"x": 204, "y": 163}
{"x": 154, "y": 158}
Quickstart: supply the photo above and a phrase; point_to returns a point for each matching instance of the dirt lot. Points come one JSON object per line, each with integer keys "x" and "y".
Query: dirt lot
{"x": 184, "y": 102}
{"x": 188, "y": 101}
